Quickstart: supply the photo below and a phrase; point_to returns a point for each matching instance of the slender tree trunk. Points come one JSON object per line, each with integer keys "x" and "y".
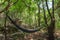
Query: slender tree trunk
{"x": 51, "y": 29}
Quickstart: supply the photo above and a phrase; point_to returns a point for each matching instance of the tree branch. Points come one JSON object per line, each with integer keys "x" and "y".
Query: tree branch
{"x": 23, "y": 29}
{"x": 45, "y": 19}
{"x": 48, "y": 9}
{"x": 38, "y": 14}
{"x": 9, "y": 4}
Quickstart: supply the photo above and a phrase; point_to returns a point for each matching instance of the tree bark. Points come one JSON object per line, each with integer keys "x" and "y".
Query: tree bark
{"x": 51, "y": 30}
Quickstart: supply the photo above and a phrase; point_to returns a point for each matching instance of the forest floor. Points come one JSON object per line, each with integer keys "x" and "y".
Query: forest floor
{"x": 41, "y": 35}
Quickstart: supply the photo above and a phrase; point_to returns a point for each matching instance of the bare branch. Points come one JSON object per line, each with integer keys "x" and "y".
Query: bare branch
{"x": 48, "y": 9}
{"x": 23, "y": 29}
{"x": 14, "y": 2}
{"x": 53, "y": 8}
{"x": 45, "y": 19}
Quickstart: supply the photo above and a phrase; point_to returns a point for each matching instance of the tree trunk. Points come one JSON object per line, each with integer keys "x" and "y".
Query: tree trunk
{"x": 51, "y": 30}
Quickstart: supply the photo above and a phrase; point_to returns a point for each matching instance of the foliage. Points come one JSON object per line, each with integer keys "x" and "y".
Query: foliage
{"x": 28, "y": 12}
